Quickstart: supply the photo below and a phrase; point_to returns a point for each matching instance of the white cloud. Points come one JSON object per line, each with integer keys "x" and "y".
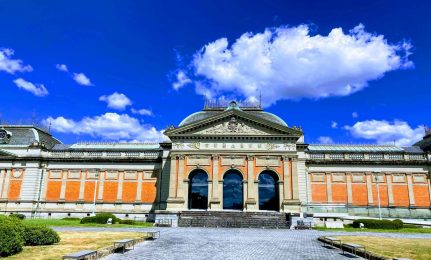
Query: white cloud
{"x": 334, "y": 124}
{"x": 116, "y": 100}
{"x": 62, "y": 67}
{"x": 81, "y": 79}
{"x": 109, "y": 126}
{"x": 325, "y": 140}
{"x": 143, "y": 112}
{"x": 181, "y": 80}
{"x": 10, "y": 65}
{"x": 385, "y": 132}
{"x": 355, "y": 115}
{"x": 36, "y": 89}
{"x": 291, "y": 63}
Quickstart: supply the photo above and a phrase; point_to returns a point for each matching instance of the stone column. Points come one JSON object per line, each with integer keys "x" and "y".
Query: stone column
{"x": 100, "y": 188}
{"x": 411, "y": 192}
{"x": 349, "y": 188}
{"x": 120, "y": 187}
{"x": 63, "y": 185}
{"x": 180, "y": 178}
{"x": 428, "y": 177}
{"x": 138, "y": 197}
{"x": 250, "y": 201}
{"x": 328, "y": 187}
{"x": 369, "y": 189}
{"x": 286, "y": 179}
{"x": 173, "y": 178}
{"x": 82, "y": 186}
{"x": 215, "y": 198}
{"x": 295, "y": 192}
{"x": 2, "y": 177}
{"x": 280, "y": 194}
{"x": 6, "y": 184}
{"x": 390, "y": 193}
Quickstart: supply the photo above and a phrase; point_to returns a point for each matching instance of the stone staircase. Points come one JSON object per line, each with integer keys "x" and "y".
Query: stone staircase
{"x": 232, "y": 219}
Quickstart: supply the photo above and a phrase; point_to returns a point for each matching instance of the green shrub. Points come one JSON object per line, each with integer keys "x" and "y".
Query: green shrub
{"x": 18, "y": 215}
{"x": 13, "y": 222}
{"x": 127, "y": 221}
{"x": 378, "y": 224}
{"x": 11, "y": 240}
{"x": 68, "y": 218}
{"x": 35, "y": 235}
{"x": 100, "y": 218}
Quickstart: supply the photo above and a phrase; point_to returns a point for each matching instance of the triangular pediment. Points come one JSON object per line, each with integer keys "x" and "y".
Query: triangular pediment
{"x": 233, "y": 123}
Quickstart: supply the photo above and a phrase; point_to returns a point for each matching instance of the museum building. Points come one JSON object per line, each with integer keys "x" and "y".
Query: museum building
{"x": 227, "y": 157}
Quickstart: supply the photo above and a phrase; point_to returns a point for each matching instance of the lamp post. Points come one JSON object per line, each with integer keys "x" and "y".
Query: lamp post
{"x": 376, "y": 179}
{"x": 95, "y": 192}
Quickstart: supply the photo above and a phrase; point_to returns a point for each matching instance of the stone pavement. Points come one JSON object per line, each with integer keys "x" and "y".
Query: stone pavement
{"x": 235, "y": 243}
{"x": 221, "y": 243}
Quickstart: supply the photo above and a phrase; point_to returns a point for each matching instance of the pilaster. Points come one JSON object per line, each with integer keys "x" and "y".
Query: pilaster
{"x": 138, "y": 197}
{"x": 250, "y": 202}
{"x": 215, "y": 198}
{"x": 120, "y": 187}
{"x": 328, "y": 187}
{"x": 5, "y": 191}
{"x": 82, "y": 186}
{"x": 349, "y": 188}
{"x": 410, "y": 189}
{"x": 63, "y": 185}
{"x": 369, "y": 189}
{"x": 390, "y": 192}
{"x": 101, "y": 182}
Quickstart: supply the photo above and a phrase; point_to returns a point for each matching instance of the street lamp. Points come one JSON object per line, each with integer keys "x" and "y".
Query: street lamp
{"x": 95, "y": 191}
{"x": 376, "y": 179}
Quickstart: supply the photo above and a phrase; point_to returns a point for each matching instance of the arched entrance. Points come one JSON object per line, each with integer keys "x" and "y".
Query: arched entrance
{"x": 232, "y": 190}
{"x": 268, "y": 191}
{"x": 198, "y": 190}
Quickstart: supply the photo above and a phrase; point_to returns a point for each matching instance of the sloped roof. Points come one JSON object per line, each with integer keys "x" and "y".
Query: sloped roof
{"x": 25, "y": 135}
{"x": 353, "y": 148}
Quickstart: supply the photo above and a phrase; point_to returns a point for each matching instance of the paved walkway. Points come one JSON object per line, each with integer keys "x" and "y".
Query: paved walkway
{"x": 221, "y": 243}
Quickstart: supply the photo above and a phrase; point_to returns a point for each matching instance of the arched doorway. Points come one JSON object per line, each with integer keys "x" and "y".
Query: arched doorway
{"x": 198, "y": 190}
{"x": 268, "y": 191}
{"x": 232, "y": 190}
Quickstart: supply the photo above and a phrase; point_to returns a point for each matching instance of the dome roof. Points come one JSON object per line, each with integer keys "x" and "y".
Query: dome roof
{"x": 206, "y": 114}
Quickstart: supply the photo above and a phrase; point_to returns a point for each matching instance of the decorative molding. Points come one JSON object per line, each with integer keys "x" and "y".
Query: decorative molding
{"x": 398, "y": 178}
{"x": 358, "y": 177}
{"x": 74, "y": 174}
{"x": 268, "y": 161}
{"x": 338, "y": 177}
{"x": 232, "y": 127}
{"x": 130, "y": 175}
{"x": 111, "y": 175}
{"x": 178, "y": 145}
{"x": 419, "y": 178}
{"x": 55, "y": 174}
{"x": 232, "y": 160}
{"x": 318, "y": 177}
{"x": 17, "y": 173}
{"x": 198, "y": 160}
{"x": 289, "y": 147}
{"x": 195, "y": 145}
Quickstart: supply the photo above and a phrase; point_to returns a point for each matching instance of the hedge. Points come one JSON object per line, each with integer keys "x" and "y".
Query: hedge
{"x": 127, "y": 221}
{"x": 100, "y": 218}
{"x": 11, "y": 240}
{"x": 378, "y": 224}
{"x": 36, "y": 235}
{"x": 18, "y": 215}
{"x": 14, "y": 234}
{"x": 70, "y": 218}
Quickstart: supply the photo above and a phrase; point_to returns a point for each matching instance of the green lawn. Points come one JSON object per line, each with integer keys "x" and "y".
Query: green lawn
{"x": 403, "y": 230}
{"x": 75, "y": 223}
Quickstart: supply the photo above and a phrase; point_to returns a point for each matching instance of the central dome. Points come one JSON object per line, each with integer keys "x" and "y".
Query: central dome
{"x": 198, "y": 116}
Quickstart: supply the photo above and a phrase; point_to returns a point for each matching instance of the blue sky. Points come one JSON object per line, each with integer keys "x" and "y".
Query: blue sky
{"x": 125, "y": 70}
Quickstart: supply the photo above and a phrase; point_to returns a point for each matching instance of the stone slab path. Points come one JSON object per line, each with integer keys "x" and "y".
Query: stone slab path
{"x": 221, "y": 243}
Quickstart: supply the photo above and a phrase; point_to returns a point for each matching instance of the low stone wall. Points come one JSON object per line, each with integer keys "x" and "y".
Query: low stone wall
{"x": 365, "y": 254}
{"x": 111, "y": 249}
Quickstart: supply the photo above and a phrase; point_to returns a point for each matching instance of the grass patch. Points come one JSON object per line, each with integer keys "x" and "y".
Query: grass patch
{"x": 75, "y": 223}
{"x": 73, "y": 242}
{"x": 393, "y": 247}
{"x": 402, "y": 230}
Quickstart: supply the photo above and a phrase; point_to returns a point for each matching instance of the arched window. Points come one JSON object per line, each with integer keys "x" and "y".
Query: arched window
{"x": 268, "y": 191}
{"x": 198, "y": 190}
{"x": 232, "y": 190}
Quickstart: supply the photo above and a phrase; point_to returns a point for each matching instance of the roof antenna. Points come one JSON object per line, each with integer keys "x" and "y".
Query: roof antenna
{"x": 260, "y": 99}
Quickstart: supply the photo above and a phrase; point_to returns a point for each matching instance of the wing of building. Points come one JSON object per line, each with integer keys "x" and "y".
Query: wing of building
{"x": 225, "y": 157}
